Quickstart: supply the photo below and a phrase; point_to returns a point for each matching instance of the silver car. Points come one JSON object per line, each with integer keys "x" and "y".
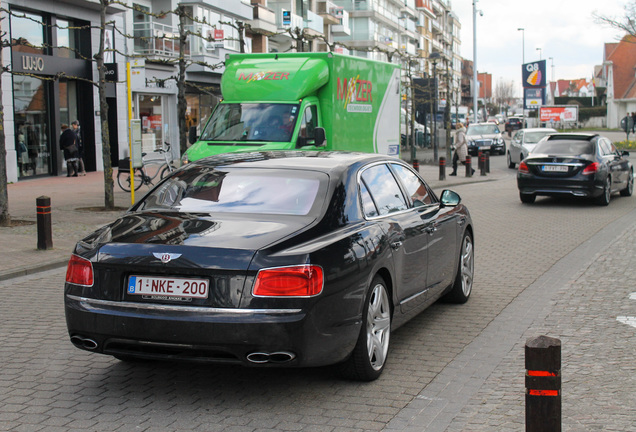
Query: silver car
{"x": 523, "y": 142}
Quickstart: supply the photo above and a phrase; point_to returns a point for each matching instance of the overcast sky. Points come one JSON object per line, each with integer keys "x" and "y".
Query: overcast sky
{"x": 564, "y": 30}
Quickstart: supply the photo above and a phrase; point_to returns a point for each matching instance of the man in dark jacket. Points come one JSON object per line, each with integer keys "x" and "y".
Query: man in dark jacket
{"x": 68, "y": 144}
{"x": 80, "y": 147}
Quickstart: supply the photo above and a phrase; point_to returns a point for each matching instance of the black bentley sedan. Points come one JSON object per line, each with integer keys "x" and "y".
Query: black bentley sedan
{"x": 575, "y": 164}
{"x": 271, "y": 259}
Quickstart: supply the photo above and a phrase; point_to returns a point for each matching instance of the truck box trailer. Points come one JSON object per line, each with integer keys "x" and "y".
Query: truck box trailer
{"x": 308, "y": 101}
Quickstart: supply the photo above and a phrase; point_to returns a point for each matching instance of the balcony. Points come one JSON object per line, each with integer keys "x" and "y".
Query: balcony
{"x": 313, "y": 24}
{"x": 156, "y": 40}
{"x": 264, "y": 19}
{"x": 342, "y": 29}
{"x": 329, "y": 11}
{"x": 409, "y": 8}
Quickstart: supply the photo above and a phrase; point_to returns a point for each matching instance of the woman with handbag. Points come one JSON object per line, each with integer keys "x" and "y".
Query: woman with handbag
{"x": 68, "y": 144}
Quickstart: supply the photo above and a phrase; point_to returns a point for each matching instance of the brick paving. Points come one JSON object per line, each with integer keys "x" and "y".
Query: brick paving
{"x": 50, "y": 385}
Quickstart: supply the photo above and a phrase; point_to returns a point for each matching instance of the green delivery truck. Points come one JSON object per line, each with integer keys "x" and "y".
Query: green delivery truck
{"x": 308, "y": 101}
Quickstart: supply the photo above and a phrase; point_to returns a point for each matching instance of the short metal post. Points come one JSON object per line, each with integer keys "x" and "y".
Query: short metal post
{"x": 416, "y": 165}
{"x": 543, "y": 384}
{"x": 487, "y": 161}
{"x": 45, "y": 232}
{"x": 469, "y": 166}
{"x": 482, "y": 164}
{"x": 480, "y": 159}
{"x": 442, "y": 168}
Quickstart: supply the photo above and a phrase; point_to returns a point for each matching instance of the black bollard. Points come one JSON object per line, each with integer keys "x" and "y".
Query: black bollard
{"x": 487, "y": 161}
{"x": 469, "y": 166}
{"x": 482, "y": 164}
{"x": 45, "y": 232}
{"x": 416, "y": 165}
{"x": 543, "y": 384}
{"x": 442, "y": 168}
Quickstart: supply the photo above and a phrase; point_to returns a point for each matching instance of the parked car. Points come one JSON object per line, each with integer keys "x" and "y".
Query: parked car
{"x": 523, "y": 142}
{"x": 271, "y": 259}
{"x": 493, "y": 119}
{"x": 575, "y": 164}
{"x": 485, "y": 137}
{"x": 513, "y": 123}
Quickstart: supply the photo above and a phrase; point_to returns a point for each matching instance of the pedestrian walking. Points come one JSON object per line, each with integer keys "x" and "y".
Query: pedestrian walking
{"x": 68, "y": 143}
{"x": 461, "y": 148}
{"x": 80, "y": 147}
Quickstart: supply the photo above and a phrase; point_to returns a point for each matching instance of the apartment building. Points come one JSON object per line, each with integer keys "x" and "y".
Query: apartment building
{"x": 54, "y": 44}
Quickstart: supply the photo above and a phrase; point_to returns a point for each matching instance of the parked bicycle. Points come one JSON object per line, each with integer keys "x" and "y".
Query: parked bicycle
{"x": 150, "y": 169}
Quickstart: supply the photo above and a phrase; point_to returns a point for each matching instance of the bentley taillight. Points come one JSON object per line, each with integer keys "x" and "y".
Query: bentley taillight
{"x": 295, "y": 281}
{"x": 79, "y": 271}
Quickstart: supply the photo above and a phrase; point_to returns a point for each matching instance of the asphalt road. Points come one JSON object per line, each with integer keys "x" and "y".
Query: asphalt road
{"x": 543, "y": 268}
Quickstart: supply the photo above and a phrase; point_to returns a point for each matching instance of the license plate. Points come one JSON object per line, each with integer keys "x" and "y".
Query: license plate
{"x": 168, "y": 287}
{"x": 555, "y": 168}
{"x": 484, "y": 148}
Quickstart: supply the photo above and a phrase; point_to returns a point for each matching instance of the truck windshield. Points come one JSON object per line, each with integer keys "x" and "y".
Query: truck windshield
{"x": 251, "y": 122}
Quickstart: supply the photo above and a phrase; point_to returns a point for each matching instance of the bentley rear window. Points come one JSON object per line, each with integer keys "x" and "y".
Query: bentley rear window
{"x": 286, "y": 192}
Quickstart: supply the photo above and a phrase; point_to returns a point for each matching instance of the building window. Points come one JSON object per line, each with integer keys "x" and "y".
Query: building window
{"x": 27, "y": 33}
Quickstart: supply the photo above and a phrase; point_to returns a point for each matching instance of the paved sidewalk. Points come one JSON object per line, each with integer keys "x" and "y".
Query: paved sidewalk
{"x": 74, "y": 202}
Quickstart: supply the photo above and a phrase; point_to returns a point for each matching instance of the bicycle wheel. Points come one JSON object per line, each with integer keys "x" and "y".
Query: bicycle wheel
{"x": 166, "y": 170}
{"x": 123, "y": 179}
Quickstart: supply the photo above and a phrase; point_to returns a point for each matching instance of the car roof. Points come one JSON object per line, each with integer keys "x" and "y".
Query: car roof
{"x": 573, "y": 136}
{"x": 307, "y": 160}
{"x": 538, "y": 130}
{"x": 482, "y": 124}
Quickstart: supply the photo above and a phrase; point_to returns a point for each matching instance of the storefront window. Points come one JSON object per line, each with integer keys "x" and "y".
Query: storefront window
{"x": 199, "y": 108}
{"x": 151, "y": 116}
{"x": 27, "y": 32}
{"x": 31, "y": 102}
{"x": 68, "y": 101}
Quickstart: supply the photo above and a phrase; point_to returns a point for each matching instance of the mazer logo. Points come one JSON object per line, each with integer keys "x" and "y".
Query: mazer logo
{"x": 354, "y": 90}
{"x": 264, "y": 75}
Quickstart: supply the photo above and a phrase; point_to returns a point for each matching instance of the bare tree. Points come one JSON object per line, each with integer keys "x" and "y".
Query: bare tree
{"x": 504, "y": 92}
{"x": 627, "y": 23}
{"x": 109, "y": 193}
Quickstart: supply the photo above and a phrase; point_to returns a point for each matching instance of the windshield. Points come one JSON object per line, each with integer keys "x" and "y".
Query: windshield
{"x": 236, "y": 190}
{"x": 482, "y": 130}
{"x": 572, "y": 148}
{"x": 535, "y": 137}
{"x": 251, "y": 122}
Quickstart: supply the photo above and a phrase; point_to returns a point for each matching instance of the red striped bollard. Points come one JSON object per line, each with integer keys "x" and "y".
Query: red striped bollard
{"x": 543, "y": 384}
{"x": 482, "y": 164}
{"x": 416, "y": 165}
{"x": 487, "y": 161}
{"x": 442, "y": 168}
{"x": 43, "y": 213}
{"x": 469, "y": 166}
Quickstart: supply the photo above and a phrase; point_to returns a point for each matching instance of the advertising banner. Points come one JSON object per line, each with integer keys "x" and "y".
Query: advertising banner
{"x": 533, "y": 98}
{"x": 563, "y": 113}
{"x": 533, "y": 74}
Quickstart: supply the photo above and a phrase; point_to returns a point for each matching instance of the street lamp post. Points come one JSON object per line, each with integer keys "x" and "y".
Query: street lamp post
{"x": 540, "y": 52}
{"x": 552, "y": 68}
{"x": 523, "y": 44}
{"x": 475, "y": 86}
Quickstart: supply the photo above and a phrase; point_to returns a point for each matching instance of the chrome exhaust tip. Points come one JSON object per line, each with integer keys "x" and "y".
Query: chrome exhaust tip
{"x": 84, "y": 343}
{"x": 275, "y": 357}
